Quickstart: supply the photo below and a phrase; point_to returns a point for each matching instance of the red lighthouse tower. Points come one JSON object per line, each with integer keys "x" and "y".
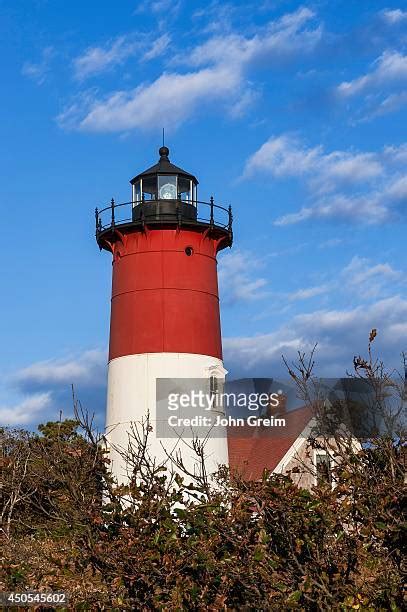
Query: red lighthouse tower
{"x": 165, "y": 319}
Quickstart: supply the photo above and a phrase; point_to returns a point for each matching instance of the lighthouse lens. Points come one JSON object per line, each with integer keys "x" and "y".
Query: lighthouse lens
{"x": 168, "y": 192}
{"x": 167, "y": 187}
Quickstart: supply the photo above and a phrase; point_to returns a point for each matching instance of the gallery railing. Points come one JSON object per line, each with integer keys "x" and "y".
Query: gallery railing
{"x": 163, "y": 211}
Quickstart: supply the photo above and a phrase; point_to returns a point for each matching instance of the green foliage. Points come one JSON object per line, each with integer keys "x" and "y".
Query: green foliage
{"x": 65, "y": 431}
{"x": 253, "y": 545}
{"x": 163, "y": 543}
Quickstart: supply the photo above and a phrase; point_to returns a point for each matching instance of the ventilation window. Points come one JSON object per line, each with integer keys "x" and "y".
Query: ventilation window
{"x": 189, "y": 251}
{"x": 213, "y": 385}
{"x": 323, "y": 468}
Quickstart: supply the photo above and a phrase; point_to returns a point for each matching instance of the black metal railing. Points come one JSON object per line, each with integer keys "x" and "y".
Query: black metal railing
{"x": 162, "y": 211}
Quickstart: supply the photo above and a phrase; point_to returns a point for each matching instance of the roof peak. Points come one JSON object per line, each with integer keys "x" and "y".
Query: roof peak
{"x": 164, "y": 166}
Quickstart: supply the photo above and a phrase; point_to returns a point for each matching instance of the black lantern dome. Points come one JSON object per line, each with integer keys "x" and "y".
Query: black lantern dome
{"x": 164, "y": 181}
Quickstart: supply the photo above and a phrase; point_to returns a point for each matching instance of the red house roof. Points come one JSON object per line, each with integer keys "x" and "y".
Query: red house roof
{"x": 253, "y": 449}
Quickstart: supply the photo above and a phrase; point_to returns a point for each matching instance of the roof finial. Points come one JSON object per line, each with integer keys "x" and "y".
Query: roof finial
{"x": 164, "y": 151}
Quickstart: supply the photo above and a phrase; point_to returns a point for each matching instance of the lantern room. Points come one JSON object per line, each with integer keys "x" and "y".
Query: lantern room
{"x": 164, "y": 181}
{"x": 163, "y": 195}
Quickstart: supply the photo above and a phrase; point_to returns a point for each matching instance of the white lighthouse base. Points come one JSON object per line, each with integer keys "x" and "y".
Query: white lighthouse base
{"x": 132, "y": 396}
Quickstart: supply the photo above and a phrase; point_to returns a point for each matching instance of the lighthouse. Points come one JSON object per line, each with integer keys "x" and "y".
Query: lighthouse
{"x": 165, "y": 319}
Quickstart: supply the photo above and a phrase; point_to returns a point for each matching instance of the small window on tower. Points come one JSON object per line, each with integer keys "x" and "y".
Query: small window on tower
{"x": 216, "y": 390}
{"x": 323, "y": 467}
{"x": 213, "y": 385}
{"x": 213, "y": 391}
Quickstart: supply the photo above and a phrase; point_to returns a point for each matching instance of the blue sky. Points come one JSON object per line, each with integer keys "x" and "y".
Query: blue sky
{"x": 292, "y": 112}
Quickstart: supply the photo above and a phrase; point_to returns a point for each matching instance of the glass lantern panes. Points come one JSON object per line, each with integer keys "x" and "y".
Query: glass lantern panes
{"x": 149, "y": 188}
{"x": 184, "y": 189}
{"x": 136, "y": 193}
{"x": 164, "y": 187}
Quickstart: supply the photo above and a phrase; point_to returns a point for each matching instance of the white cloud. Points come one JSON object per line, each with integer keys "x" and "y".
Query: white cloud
{"x": 87, "y": 368}
{"x": 45, "y": 388}
{"x": 359, "y": 270}
{"x": 394, "y": 16}
{"x": 239, "y": 107}
{"x": 157, "y": 48}
{"x": 161, "y": 7}
{"x": 330, "y": 243}
{"x": 397, "y": 190}
{"x": 283, "y": 37}
{"x": 244, "y": 354}
{"x": 96, "y": 60}
{"x": 38, "y": 72}
{"x": 369, "y": 280}
{"x": 237, "y": 280}
{"x": 286, "y": 156}
{"x": 390, "y": 104}
{"x": 282, "y": 156}
{"x": 169, "y": 100}
{"x": 359, "y": 186}
{"x": 396, "y": 155}
{"x": 361, "y": 278}
{"x": 378, "y": 92}
{"x": 308, "y": 292}
{"x": 25, "y": 411}
{"x": 340, "y": 335}
{"x": 216, "y": 16}
{"x": 342, "y": 166}
{"x": 369, "y": 210}
{"x": 390, "y": 67}
{"x": 221, "y": 66}
{"x": 99, "y": 59}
